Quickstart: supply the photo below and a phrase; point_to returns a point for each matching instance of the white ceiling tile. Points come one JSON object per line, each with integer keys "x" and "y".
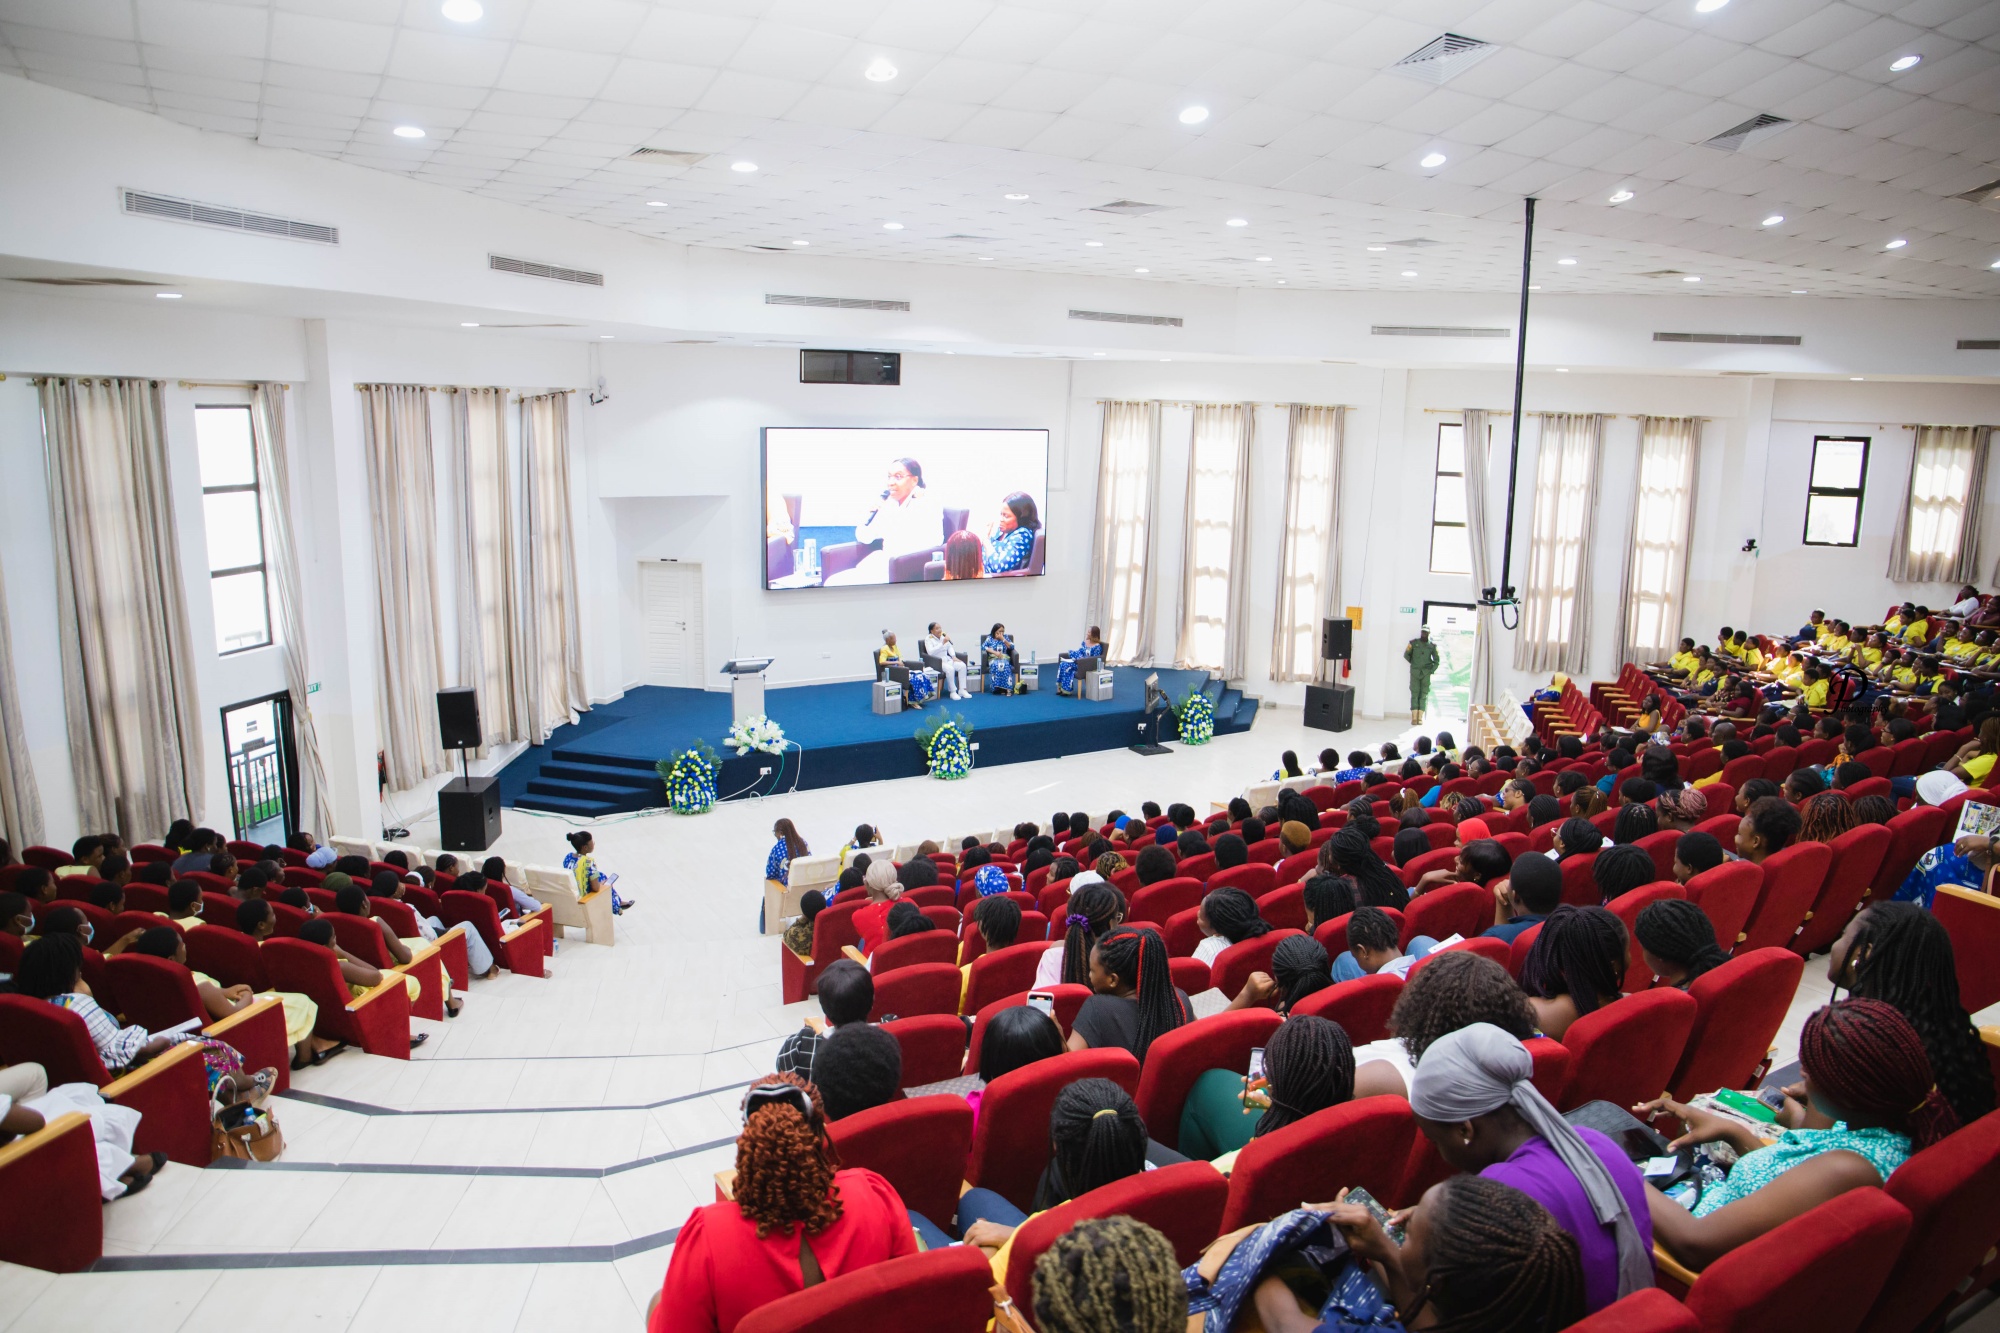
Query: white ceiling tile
{"x": 1977, "y": 25}
{"x": 1142, "y": 148}
{"x": 335, "y": 45}
{"x": 1075, "y": 137}
{"x": 311, "y": 99}
{"x": 70, "y": 45}
{"x": 1044, "y": 89}
{"x": 1491, "y": 125}
{"x": 1172, "y": 57}
{"x": 845, "y": 18}
{"x": 656, "y": 83}
{"x": 603, "y": 26}
{"x": 1560, "y": 87}
{"x": 776, "y": 51}
{"x": 1577, "y": 29}
{"x": 1684, "y": 61}
{"x": 1864, "y": 108}
{"x": 203, "y": 64}
{"x": 1659, "y": 112}
{"x": 1825, "y": 24}
{"x": 1542, "y": 137}
{"x": 203, "y": 26}
{"x": 848, "y": 108}
{"x": 1015, "y": 34}
{"x": 917, "y": 115}
{"x": 110, "y": 19}
{"x": 1002, "y": 129}
{"x": 279, "y": 74}
{"x": 552, "y": 73}
{"x": 447, "y": 58}
{"x": 1869, "y": 51}
{"x": 681, "y": 37}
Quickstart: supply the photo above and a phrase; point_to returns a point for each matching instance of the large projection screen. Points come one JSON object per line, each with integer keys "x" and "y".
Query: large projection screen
{"x": 854, "y": 506}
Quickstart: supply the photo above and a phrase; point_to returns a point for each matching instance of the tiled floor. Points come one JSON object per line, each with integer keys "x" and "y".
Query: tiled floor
{"x": 526, "y": 1168}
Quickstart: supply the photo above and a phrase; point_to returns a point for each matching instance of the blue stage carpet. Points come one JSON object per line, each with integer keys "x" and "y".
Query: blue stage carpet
{"x": 604, "y": 762}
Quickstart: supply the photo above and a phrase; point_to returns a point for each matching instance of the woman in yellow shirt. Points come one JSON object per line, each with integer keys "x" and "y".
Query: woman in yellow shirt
{"x": 1975, "y": 759}
{"x": 1817, "y": 686}
{"x": 1918, "y": 630}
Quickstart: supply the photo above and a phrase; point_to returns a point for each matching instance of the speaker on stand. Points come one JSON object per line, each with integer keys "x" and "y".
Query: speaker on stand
{"x": 1331, "y": 707}
{"x": 468, "y": 807}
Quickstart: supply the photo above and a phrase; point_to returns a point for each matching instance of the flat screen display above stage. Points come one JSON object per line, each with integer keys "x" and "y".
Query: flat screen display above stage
{"x": 851, "y": 506}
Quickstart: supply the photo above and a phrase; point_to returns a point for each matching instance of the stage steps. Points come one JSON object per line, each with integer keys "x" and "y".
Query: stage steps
{"x": 576, "y": 782}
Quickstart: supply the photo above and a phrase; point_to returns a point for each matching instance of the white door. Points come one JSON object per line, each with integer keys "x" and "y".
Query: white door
{"x": 670, "y": 623}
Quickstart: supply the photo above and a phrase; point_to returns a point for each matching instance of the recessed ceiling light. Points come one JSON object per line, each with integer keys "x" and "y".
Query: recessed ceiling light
{"x": 1263, "y": 259}
{"x": 1097, "y": 354}
{"x": 1565, "y": 261}
{"x": 1534, "y": 286}
{"x": 1409, "y": 273}
{"x": 744, "y": 167}
{"x": 1237, "y": 222}
{"x": 1798, "y": 291}
{"x": 1621, "y": 196}
{"x": 1377, "y": 249}
{"x": 1855, "y": 378}
{"x": 1432, "y": 160}
{"x": 168, "y": 296}
{"x": 1994, "y": 264}
{"x": 1773, "y": 220}
{"x": 1165, "y": 359}
{"x": 1692, "y": 277}
{"x": 468, "y": 324}
{"x": 463, "y": 11}
{"x": 1093, "y": 243}
{"x": 1562, "y": 370}
{"x": 1708, "y": 6}
{"x": 986, "y": 259}
{"x": 407, "y": 132}
{"x": 879, "y": 70}
{"x": 1017, "y": 198}
{"x": 607, "y": 335}
{"x": 1193, "y": 115}
{"x": 656, "y": 203}
{"x": 1902, "y": 63}
{"x": 1142, "y": 270}
{"x": 892, "y": 226}
{"x": 1896, "y": 244}
{"x": 1281, "y": 282}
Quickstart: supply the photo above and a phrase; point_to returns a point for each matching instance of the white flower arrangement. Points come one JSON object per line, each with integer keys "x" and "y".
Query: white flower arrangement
{"x": 756, "y": 733}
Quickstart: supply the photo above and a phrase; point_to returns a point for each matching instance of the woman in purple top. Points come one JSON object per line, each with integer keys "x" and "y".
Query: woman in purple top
{"x": 1473, "y": 1098}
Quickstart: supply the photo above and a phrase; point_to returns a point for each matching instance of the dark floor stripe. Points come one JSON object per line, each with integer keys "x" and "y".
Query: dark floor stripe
{"x": 369, "y": 1108}
{"x": 551, "y": 1254}
{"x": 445, "y": 1169}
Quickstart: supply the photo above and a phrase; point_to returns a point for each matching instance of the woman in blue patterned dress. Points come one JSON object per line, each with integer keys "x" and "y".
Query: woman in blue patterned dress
{"x": 788, "y": 848}
{"x": 588, "y": 875}
{"x": 1093, "y": 646}
{"x": 1003, "y": 664}
{"x": 1012, "y": 542}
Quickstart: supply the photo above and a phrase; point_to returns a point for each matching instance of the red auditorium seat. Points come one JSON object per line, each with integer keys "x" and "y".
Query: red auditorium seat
{"x": 1821, "y": 1271}
{"x": 1912, "y": 833}
{"x": 1190, "y": 974}
{"x": 230, "y": 957}
{"x": 1725, "y": 895}
{"x": 1010, "y": 1146}
{"x": 1792, "y": 879}
{"x": 1647, "y": 1311}
{"x": 1297, "y": 866}
{"x": 1721, "y": 827}
{"x": 1332, "y": 935}
{"x": 1068, "y": 999}
{"x": 1972, "y": 919}
{"x": 1175, "y": 1060}
{"x": 1182, "y": 933}
{"x": 1660, "y": 846}
{"x": 1626, "y": 907}
{"x": 921, "y": 988}
{"x": 1362, "y": 1143}
{"x": 930, "y": 946}
{"x": 170, "y": 1091}
{"x": 1580, "y": 881}
{"x": 918, "y": 1145}
{"x": 1003, "y": 972}
{"x": 1739, "y": 1007}
{"x": 1488, "y": 948}
{"x": 158, "y": 994}
{"x": 377, "y": 1022}
{"x": 933, "y": 1047}
{"x": 1199, "y": 867}
{"x": 1625, "y": 1052}
{"x": 1156, "y": 904}
{"x": 1438, "y": 858}
{"x": 833, "y": 930}
{"x": 1453, "y": 909}
{"x": 1284, "y": 907}
{"x": 1255, "y": 880}
{"x": 1233, "y": 966}
{"x": 1949, "y": 1189}
{"x": 518, "y": 949}
{"x": 972, "y": 944}
{"x": 939, "y": 1291}
{"x": 1361, "y": 1006}
{"x": 1857, "y": 855}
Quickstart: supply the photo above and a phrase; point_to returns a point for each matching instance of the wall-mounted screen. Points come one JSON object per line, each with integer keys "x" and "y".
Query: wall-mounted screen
{"x": 848, "y": 506}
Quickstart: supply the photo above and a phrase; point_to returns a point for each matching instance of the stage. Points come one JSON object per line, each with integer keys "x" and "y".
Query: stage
{"x": 604, "y": 763}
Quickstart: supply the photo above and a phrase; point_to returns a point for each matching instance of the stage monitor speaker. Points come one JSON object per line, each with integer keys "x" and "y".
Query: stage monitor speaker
{"x": 1336, "y": 640}
{"x": 1330, "y": 707}
{"x": 458, "y": 718}
{"x": 469, "y": 814}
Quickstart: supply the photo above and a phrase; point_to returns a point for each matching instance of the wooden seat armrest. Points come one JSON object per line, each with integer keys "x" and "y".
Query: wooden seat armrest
{"x": 531, "y": 923}
{"x": 53, "y": 1130}
{"x": 153, "y": 1068}
{"x": 393, "y": 982}
{"x": 849, "y": 951}
{"x": 725, "y": 1183}
{"x": 1672, "y": 1267}
{"x": 429, "y": 950}
{"x": 222, "y": 1026}
{"x": 805, "y": 959}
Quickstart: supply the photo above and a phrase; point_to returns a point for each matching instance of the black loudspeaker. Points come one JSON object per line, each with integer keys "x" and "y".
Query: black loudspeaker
{"x": 469, "y": 812}
{"x": 1330, "y": 707}
{"x": 458, "y": 718}
{"x": 1336, "y": 640}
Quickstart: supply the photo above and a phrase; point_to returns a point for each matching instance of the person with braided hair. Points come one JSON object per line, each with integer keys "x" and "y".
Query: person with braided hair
{"x": 1575, "y": 966}
{"x": 1134, "y": 998}
{"x": 1623, "y": 867}
{"x": 1770, "y": 825}
{"x": 1110, "y": 1275}
{"x": 1095, "y": 910}
{"x": 1901, "y": 955}
{"x": 1348, "y": 853}
{"x": 1226, "y": 916}
{"x": 1361, "y": 816}
{"x": 1374, "y": 944}
{"x": 1327, "y": 898}
{"x": 1308, "y": 1066}
{"x": 1479, "y": 1257}
{"x": 1454, "y": 991}
{"x": 1826, "y": 816}
{"x": 795, "y": 1218}
{"x": 1865, "y": 1102}
{"x": 1677, "y": 941}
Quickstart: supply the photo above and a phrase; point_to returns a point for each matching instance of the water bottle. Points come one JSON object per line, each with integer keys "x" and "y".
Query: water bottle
{"x": 812, "y": 556}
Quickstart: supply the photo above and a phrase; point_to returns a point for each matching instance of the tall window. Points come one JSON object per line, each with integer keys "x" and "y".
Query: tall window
{"x": 1451, "y": 548}
{"x": 1934, "y": 543}
{"x": 1656, "y": 571}
{"x": 1834, "y": 489}
{"x": 1213, "y": 543}
{"x": 1119, "y": 559}
{"x": 233, "y": 513}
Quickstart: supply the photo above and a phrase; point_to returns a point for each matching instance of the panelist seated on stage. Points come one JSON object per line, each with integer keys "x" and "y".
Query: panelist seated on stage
{"x": 909, "y": 519}
{"x": 917, "y": 685}
{"x": 1002, "y": 662}
{"x": 946, "y": 658}
{"x": 1069, "y": 664}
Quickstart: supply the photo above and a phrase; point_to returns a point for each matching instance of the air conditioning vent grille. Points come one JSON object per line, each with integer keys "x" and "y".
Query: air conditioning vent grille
{"x": 835, "y": 302}
{"x": 528, "y": 268}
{"x": 1979, "y": 344}
{"x": 139, "y": 203}
{"x": 90, "y": 282}
{"x": 1753, "y": 130}
{"x": 1443, "y": 59}
{"x": 1114, "y": 317}
{"x": 667, "y": 157}
{"x": 1130, "y": 208}
{"x": 1436, "y": 331}
{"x": 1748, "y": 339}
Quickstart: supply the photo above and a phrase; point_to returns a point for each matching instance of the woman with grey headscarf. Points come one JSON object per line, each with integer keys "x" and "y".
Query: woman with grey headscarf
{"x": 1474, "y": 1100}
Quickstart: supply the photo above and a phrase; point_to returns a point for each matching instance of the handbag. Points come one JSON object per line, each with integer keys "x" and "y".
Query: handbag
{"x": 1304, "y": 1250}
{"x": 246, "y": 1133}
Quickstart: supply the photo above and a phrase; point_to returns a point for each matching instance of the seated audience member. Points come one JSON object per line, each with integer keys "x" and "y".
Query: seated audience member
{"x": 864, "y": 837}
{"x": 361, "y": 977}
{"x": 1974, "y": 760}
{"x": 1308, "y": 1066}
{"x": 109, "y": 895}
{"x": 1770, "y": 825}
{"x": 1532, "y": 891}
{"x": 581, "y": 863}
{"x": 1110, "y": 1275}
{"x": 1576, "y": 836}
{"x": 1753, "y": 791}
{"x": 184, "y": 904}
{"x": 1874, "y": 810}
{"x": 871, "y": 923}
{"x": 1230, "y": 851}
{"x": 352, "y": 901}
{"x": 1677, "y": 941}
{"x": 1865, "y": 1102}
{"x": 1253, "y": 831}
{"x": 1633, "y": 823}
{"x": 1826, "y": 816}
{"x": 1154, "y": 865}
{"x": 860, "y": 1066}
{"x": 908, "y": 919}
{"x": 1373, "y": 946}
{"x": 789, "y": 1200}
{"x": 1095, "y": 1138}
{"x": 1475, "y": 1100}
{"x": 202, "y": 845}
{"x": 1015, "y": 1038}
{"x": 1133, "y": 997}
{"x": 317, "y": 856}
{"x": 1963, "y": 862}
{"x": 1299, "y": 967}
{"x": 221, "y": 1001}
{"x": 479, "y": 959}
{"x": 1622, "y": 867}
{"x": 846, "y": 993}
{"x": 1095, "y": 910}
{"x": 1327, "y": 898}
{"x": 799, "y": 935}
{"x": 1681, "y": 808}
{"x": 1410, "y": 843}
{"x": 1480, "y": 1255}
{"x": 1696, "y": 852}
{"x": 68, "y": 920}
{"x": 1348, "y": 853}
{"x": 1544, "y": 810}
{"x": 1803, "y": 782}
{"x": 1361, "y": 817}
{"x": 1288, "y": 767}
{"x": 1901, "y": 955}
{"x": 1294, "y": 836}
{"x": 1227, "y": 916}
{"x": 86, "y": 856}
{"x": 1481, "y": 860}
{"x": 1455, "y": 991}
{"x": 28, "y": 1104}
{"x": 495, "y": 870}
{"x": 919, "y": 872}
{"x": 1575, "y": 966}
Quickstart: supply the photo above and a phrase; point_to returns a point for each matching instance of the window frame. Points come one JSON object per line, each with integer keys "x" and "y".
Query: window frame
{"x": 1463, "y": 525}
{"x": 255, "y": 487}
{"x": 1857, "y": 493}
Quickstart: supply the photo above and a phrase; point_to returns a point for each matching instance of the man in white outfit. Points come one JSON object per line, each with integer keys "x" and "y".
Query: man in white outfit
{"x": 909, "y": 519}
{"x": 951, "y": 662}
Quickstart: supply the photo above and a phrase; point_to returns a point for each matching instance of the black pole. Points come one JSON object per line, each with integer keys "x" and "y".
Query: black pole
{"x": 1520, "y": 371}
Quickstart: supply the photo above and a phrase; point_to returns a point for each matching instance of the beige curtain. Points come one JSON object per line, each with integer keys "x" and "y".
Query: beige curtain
{"x": 20, "y": 795}
{"x": 267, "y": 434}
{"x": 128, "y": 657}
{"x": 550, "y": 651}
{"x": 489, "y": 602}
{"x": 396, "y": 432}
{"x": 1662, "y": 525}
{"x": 1474, "y": 431}
{"x": 1120, "y": 600}
{"x": 1215, "y": 539}
{"x": 1555, "y": 606}
{"x": 1937, "y": 532}
{"x": 1308, "y": 539}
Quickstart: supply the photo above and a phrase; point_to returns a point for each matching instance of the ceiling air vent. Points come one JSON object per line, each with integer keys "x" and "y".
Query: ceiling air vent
{"x": 528, "y": 268}
{"x": 835, "y": 302}
{"x": 531, "y": 326}
{"x": 1979, "y": 344}
{"x": 1751, "y": 339}
{"x": 1414, "y": 241}
{"x": 961, "y": 236}
{"x": 1754, "y": 130}
{"x": 1130, "y": 208}
{"x": 667, "y": 157}
{"x": 91, "y": 282}
{"x": 141, "y": 204}
{"x": 1436, "y": 331}
{"x": 1113, "y": 317}
{"x": 1443, "y": 59}
{"x": 1664, "y": 273}
{"x": 1986, "y": 196}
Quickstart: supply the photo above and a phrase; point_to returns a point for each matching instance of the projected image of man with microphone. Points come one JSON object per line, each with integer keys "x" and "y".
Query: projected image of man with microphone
{"x": 909, "y": 519}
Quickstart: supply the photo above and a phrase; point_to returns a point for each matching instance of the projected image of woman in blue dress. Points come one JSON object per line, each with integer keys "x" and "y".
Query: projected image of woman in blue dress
{"x": 1011, "y": 544}
{"x": 1002, "y": 663}
{"x": 1069, "y": 664}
